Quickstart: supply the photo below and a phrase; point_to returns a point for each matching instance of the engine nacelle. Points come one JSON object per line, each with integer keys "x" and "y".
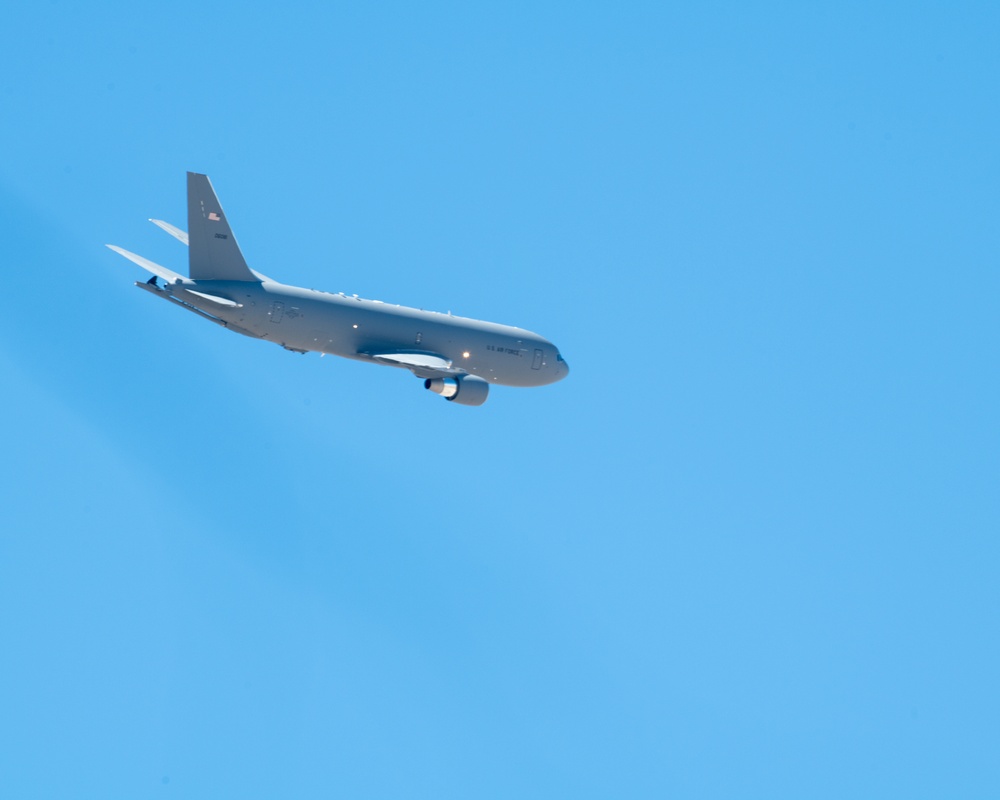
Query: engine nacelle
{"x": 468, "y": 390}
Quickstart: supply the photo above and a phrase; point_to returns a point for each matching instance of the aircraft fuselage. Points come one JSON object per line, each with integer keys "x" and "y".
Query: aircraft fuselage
{"x": 307, "y": 320}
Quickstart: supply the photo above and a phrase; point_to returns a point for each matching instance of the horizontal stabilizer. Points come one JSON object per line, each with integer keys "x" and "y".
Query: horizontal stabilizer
{"x": 212, "y": 298}
{"x": 174, "y": 231}
{"x": 145, "y": 263}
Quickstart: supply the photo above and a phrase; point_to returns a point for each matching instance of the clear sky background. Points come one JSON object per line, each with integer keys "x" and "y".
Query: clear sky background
{"x": 749, "y": 548}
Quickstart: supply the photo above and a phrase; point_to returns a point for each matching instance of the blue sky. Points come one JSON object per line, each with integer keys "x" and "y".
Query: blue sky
{"x": 747, "y": 549}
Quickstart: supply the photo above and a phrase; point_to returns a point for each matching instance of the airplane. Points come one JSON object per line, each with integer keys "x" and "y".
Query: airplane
{"x": 457, "y": 358}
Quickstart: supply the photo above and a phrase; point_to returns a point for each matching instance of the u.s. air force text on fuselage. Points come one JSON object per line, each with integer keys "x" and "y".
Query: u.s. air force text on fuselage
{"x": 457, "y": 358}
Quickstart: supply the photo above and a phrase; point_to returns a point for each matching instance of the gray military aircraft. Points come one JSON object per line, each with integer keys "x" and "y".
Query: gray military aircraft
{"x": 457, "y": 358}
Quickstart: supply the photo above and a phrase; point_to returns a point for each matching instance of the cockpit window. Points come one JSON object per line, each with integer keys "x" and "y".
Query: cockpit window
{"x": 558, "y": 357}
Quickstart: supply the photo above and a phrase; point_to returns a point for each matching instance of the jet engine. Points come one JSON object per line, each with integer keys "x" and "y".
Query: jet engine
{"x": 468, "y": 390}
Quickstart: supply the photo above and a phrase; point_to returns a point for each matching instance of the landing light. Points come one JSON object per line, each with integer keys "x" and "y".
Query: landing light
{"x": 465, "y": 354}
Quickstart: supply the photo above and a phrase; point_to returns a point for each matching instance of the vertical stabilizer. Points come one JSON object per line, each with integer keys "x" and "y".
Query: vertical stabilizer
{"x": 213, "y": 254}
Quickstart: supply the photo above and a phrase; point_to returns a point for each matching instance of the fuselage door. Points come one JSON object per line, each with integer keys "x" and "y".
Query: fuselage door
{"x": 537, "y": 363}
{"x": 277, "y": 310}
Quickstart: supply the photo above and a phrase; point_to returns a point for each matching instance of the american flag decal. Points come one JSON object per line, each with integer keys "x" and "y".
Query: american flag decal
{"x": 213, "y": 216}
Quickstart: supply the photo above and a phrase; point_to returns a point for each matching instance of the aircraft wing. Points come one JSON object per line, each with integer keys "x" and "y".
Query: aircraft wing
{"x": 423, "y": 365}
{"x": 145, "y": 263}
